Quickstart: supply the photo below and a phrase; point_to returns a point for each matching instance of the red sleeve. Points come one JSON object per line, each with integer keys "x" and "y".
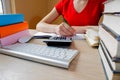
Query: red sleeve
{"x": 102, "y": 5}
{"x": 59, "y": 6}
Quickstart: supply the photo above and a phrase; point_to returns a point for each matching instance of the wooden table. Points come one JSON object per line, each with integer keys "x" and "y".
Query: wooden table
{"x": 86, "y": 66}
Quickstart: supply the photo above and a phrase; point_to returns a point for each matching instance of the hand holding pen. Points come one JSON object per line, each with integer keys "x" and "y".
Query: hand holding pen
{"x": 64, "y": 29}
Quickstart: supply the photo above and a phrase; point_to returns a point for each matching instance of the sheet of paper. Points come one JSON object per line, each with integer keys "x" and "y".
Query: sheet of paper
{"x": 75, "y": 37}
{"x": 44, "y": 34}
{"x": 78, "y": 37}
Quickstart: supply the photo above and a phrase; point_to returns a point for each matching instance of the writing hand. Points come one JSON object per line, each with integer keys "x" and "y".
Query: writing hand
{"x": 65, "y": 30}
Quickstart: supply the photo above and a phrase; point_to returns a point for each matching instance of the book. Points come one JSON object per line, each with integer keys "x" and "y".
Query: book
{"x": 7, "y": 19}
{"x": 92, "y": 37}
{"x": 111, "y": 43}
{"x": 11, "y": 29}
{"x": 115, "y": 65}
{"x": 11, "y": 39}
{"x": 111, "y": 22}
{"x": 112, "y": 6}
{"x": 92, "y": 33}
{"x": 110, "y": 74}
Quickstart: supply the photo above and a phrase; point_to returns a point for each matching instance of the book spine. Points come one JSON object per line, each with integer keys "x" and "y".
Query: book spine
{"x": 115, "y": 66}
{"x": 108, "y": 71}
{"x": 110, "y": 74}
{"x": 7, "y": 19}
{"x": 110, "y": 42}
{"x": 11, "y": 39}
{"x": 114, "y": 59}
{"x": 104, "y": 67}
{"x": 112, "y": 6}
{"x": 114, "y": 34}
{"x": 11, "y": 29}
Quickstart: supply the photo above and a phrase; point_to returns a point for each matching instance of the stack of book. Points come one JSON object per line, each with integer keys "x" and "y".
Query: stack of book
{"x": 109, "y": 47}
{"x": 12, "y": 27}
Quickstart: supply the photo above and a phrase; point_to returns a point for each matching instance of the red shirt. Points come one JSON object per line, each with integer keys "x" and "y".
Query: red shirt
{"x": 90, "y": 15}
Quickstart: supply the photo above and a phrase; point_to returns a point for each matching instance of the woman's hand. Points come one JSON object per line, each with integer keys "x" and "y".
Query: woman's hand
{"x": 65, "y": 30}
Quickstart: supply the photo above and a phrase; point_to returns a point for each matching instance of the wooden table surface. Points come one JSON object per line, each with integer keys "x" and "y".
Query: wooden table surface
{"x": 86, "y": 66}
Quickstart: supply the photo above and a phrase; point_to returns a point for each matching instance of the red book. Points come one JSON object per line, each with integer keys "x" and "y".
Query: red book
{"x": 11, "y": 29}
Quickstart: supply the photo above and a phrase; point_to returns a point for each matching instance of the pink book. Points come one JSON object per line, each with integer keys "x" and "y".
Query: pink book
{"x": 11, "y": 39}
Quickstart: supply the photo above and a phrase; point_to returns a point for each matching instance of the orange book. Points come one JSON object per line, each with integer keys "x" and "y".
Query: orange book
{"x": 11, "y": 29}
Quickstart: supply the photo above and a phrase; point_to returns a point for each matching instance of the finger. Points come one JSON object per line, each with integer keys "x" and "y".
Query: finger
{"x": 59, "y": 30}
{"x": 65, "y": 30}
{"x": 72, "y": 30}
{"x": 63, "y": 33}
{"x": 69, "y": 29}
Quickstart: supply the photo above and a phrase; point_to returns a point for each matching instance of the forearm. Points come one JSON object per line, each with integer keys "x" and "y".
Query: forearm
{"x": 45, "y": 24}
{"x": 82, "y": 29}
{"x": 45, "y": 27}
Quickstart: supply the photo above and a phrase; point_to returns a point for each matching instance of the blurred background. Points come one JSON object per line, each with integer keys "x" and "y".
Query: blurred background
{"x": 33, "y": 10}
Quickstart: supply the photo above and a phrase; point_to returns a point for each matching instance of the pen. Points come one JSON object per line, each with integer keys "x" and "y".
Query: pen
{"x": 67, "y": 23}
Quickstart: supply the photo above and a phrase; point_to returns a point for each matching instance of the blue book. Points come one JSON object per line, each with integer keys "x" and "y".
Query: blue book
{"x": 7, "y": 19}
